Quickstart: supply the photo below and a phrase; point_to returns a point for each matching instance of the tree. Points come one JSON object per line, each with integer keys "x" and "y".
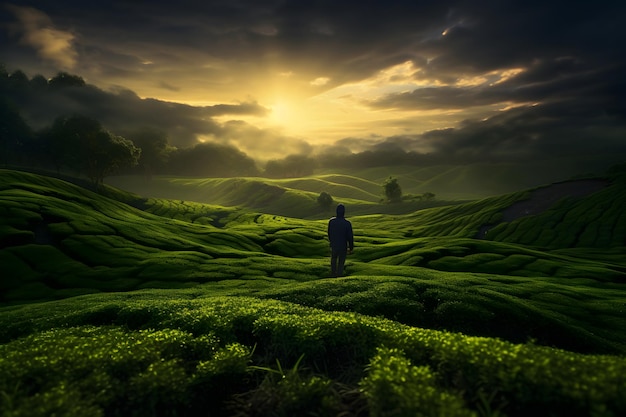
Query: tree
{"x": 106, "y": 154}
{"x": 428, "y": 196}
{"x": 325, "y": 200}
{"x": 67, "y": 138}
{"x": 155, "y": 150}
{"x": 39, "y": 83}
{"x": 82, "y": 144}
{"x": 392, "y": 189}
{"x": 18, "y": 80}
{"x": 63, "y": 80}
{"x": 15, "y": 134}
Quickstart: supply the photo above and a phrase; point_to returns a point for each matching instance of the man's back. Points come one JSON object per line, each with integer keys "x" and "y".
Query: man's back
{"x": 340, "y": 234}
{"x": 341, "y": 241}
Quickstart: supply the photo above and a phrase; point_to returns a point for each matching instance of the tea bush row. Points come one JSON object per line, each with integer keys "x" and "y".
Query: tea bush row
{"x": 598, "y": 221}
{"x": 166, "y": 356}
{"x": 575, "y": 317}
{"x": 109, "y": 371}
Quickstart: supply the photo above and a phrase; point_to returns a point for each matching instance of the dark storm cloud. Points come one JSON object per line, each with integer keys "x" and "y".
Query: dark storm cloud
{"x": 548, "y": 131}
{"x": 352, "y": 39}
{"x": 530, "y": 132}
{"x": 345, "y": 40}
{"x": 555, "y": 80}
{"x": 494, "y": 35}
{"x": 577, "y": 110}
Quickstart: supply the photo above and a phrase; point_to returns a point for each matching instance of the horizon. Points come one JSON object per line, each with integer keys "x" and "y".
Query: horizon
{"x": 449, "y": 79}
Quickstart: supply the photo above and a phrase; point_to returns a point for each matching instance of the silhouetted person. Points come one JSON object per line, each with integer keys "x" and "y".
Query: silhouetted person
{"x": 341, "y": 240}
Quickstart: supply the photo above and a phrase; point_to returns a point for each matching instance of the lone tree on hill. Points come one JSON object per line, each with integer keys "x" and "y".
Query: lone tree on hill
{"x": 428, "y": 196}
{"x": 392, "y": 190}
{"x": 325, "y": 200}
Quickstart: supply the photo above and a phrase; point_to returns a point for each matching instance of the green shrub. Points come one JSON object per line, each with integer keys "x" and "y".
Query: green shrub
{"x": 110, "y": 371}
{"x": 395, "y": 387}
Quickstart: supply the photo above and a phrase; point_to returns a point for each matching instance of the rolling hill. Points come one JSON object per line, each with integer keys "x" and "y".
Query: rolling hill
{"x": 291, "y": 197}
{"x": 362, "y": 189}
{"x": 115, "y": 302}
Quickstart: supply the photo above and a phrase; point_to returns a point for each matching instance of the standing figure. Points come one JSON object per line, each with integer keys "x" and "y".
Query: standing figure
{"x": 341, "y": 240}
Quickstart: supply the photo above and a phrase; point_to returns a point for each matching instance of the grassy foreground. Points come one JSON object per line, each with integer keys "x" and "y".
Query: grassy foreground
{"x": 118, "y": 305}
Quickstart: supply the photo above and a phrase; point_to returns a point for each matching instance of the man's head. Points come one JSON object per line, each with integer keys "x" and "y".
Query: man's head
{"x": 341, "y": 210}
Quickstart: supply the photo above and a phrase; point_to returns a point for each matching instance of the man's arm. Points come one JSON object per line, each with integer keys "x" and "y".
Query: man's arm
{"x": 328, "y": 230}
{"x": 350, "y": 237}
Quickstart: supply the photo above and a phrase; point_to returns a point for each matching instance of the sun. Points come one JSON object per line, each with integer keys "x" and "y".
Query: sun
{"x": 292, "y": 116}
{"x": 282, "y": 113}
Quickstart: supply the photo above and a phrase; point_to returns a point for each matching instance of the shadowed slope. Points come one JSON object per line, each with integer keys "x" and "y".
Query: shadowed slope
{"x": 541, "y": 199}
{"x": 595, "y": 221}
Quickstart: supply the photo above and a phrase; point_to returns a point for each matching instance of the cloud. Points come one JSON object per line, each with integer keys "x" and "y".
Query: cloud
{"x": 122, "y": 111}
{"x": 562, "y": 80}
{"x": 320, "y": 81}
{"x": 251, "y": 108}
{"x": 262, "y": 144}
{"x": 549, "y": 131}
{"x": 168, "y": 86}
{"x": 38, "y": 31}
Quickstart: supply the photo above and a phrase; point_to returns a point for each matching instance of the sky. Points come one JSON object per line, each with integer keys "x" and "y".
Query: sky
{"x": 490, "y": 79}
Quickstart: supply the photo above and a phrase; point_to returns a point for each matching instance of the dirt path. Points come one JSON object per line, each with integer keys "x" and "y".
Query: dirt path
{"x": 543, "y": 198}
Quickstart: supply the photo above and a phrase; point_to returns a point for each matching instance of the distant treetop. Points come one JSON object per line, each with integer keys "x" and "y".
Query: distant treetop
{"x": 63, "y": 79}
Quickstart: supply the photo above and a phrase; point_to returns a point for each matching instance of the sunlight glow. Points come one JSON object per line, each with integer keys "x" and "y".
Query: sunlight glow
{"x": 281, "y": 113}
{"x": 298, "y": 114}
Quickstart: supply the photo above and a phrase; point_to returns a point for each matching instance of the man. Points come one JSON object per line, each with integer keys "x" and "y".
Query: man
{"x": 341, "y": 240}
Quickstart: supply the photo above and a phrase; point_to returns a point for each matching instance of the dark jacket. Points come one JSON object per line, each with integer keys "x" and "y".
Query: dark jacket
{"x": 340, "y": 234}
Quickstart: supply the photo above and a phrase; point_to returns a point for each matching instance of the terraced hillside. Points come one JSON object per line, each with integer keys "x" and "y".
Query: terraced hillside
{"x": 225, "y": 310}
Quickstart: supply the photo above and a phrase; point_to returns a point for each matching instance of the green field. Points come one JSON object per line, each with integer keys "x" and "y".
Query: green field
{"x": 218, "y": 301}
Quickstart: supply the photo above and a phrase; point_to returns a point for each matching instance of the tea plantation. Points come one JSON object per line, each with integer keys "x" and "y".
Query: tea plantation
{"x": 114, "y": 304}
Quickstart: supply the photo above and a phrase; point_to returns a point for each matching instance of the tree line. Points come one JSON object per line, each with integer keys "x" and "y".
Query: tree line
{"x": 80, "y": 145}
